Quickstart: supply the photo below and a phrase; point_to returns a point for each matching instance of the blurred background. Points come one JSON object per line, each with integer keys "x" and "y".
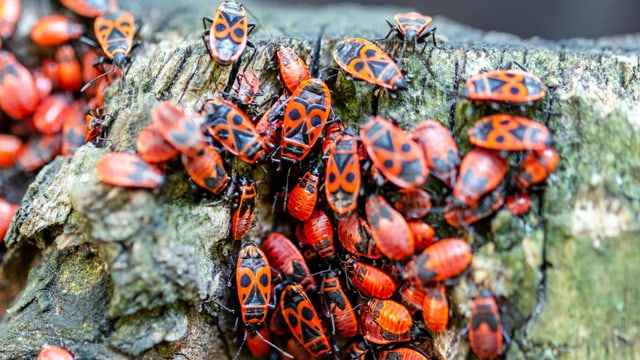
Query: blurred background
{"x": 550, "y": 19}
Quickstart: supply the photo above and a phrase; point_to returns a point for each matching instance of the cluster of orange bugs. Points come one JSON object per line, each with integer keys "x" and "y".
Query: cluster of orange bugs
{"x": 378, "y": 292}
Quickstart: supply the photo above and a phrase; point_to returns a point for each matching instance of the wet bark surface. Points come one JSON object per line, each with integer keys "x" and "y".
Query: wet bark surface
{"x": 115, "y": 273}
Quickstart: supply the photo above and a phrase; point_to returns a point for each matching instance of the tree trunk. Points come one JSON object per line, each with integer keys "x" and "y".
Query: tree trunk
{"x": 116, "y": 273}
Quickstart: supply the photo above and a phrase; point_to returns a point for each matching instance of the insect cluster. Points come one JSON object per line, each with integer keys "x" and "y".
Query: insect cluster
{"x": 380, "y": 290}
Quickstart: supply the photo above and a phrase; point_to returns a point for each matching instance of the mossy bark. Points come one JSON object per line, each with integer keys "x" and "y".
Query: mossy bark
{"x": 116, "y": 273}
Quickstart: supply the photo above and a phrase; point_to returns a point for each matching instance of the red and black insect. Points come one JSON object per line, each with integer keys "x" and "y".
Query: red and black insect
{"x": 10, "y": 146}
{"x": 49, "y": 114}
{"x": 52, "y": 352}
{"x": 7, "y": 211}
{"x": 269, "y": 126}
{"x": 390, "y": 315}
{"x": 243, "y": 210}
{"x": 514, "y": 86}
{"x": 128, "y": 170}
{"x": 293, "y": 70}
{"x": 259, "y": 342}
{"x": 207, "y": 169}
{"x": 467, "y": 215}
{"x": 318, "y": 235}
{"x": 69, "y": 71}
{"x": 287, "y": 259}
{"x": 16, "y": 79}
{"x": 444, "y": 259}
{"x": 411, "y": 28}
{"x": 402, "y": 353}
{"x": 485, "y": 326}
{"x": 342, "y": 181}
{"x": 90, "y": 8}
{"x": 228, "y": 33}
{"x": 370, "y": 280}
{"x": 364, "y": 60}
{"x": 305, "y": 116}
{"x": 336, "y": 303}
{"x": 480, "y": 172}
{"x": 253, "y": 281}
{"x": 153, "y": 148}
{"x": 9, "y": 15}
{"x": 412, "y": 297}
{"x": 435, "y": 308}
{"x": 73, "y": 129}
{"x": 115, "y": 31}
{"x": 510, "y": 133}
{"x": 248, "y": 87}
{"x": 518, "y": 204}
{"x": 55, "y": 29}
{"x": 439, "y": 148}
{"x": 303, "y": 321}
{"x": 374, "y": 333}
{"x": 354, "y": 235}
{"x": 301, "y": 200}
{"x": 178, "y": 128}
{"x": 232, "y": 128}
{"x": 389, "y": 229}
{"x": 39, "y": 150}
{"x": 536, "y": 167}
{"x": 413, "y": 203}
{"x": 357, "y": 350}
{"x": 96, "y": 123}
{"x": 423, "y": 234}
{"x": 394, "y": 153}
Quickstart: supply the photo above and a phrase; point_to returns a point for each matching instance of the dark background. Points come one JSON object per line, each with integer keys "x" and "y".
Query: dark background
{"x": 550, "y": 19}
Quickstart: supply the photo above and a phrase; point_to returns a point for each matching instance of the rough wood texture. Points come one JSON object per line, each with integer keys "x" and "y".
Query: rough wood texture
{"x": 120, "y": 273}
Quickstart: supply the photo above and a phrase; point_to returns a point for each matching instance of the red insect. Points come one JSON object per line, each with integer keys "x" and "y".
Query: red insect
{"x": 354, "y": 235}
{"x": 248, "y": 87}
{"x": 10, "y": 146}
{"x": 52, "y": 352}
{"x": 357, "y": 350}
{"x": 423, "y": 234}
{"x": 7, "y": 211}
{"x": 90, "y": 8}
{"x": 44, "y": 85}
{"x": 179, "y": 128}
{"x": 374, "y": 333}
{"x": 305, "y": 116}
{"x": 228, "y": 33}
{"x": 259, "y": 344}
{"x": 303, "y": 321}
{"x": 337, "y": 303}
{"x": 207, "y": 169}
{"x": 412, "y": 297}
{"x": 302, "y": 198}
{"x": 514, "y": 86}
{"x": 411, "y": 27}
{"x": 485, "y": 326}
{"x": 253, "y": 281}
{"x": 364, "y": 60}
{"x": 439, "y": 148}
{"x": 114, "y": 30}
{"x": 508, "y": 132}
{"x": 342, "y": 181}
{"x": 332, "y": 131}
{"x": 536, "y": 167}
{"x": 444, "y": 259}
{"x": 73, "y": 129}
{"x": 287, "y": 259}
{"x": 96, "y": 123}
{"x": 318, "y": 235}
{"x": 39, "y": 150}
{"x": 391, "y": 316}
{"x": 232, "y": 128}
{"x": 413, "y": 203}
{"x": 69, "y": 71}
{"x": 244, "y": 207}
{"x": 128, "y": 170}
{"x": 49, "y": 115}
{"x": 293, "y": 70}
{"x": 9, "y": 15}
{"x": 153, "y": 148}
{"x": 389, "y": 229}
{"x": 467, "y": 215}
{"x": 402, "y": 353}
{"x": 394, "y": 153}
{"x": 269, "y": 126}
{"x": 55, "y": 29}
{"x": 480, "y": 172}
{"x": 277, "y": 325}
{"x": 518, "y": 204}
{"x": 435, "y": 308}
{"x": 370, "y": 280}
{"x": 15, "y": 79}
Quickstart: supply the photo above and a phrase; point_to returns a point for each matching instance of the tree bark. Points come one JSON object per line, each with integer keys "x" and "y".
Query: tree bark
{"x": 116, "y": 273}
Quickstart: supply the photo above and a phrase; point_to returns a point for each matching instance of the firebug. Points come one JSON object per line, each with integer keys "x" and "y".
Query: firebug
{"x": 411, "y": 27}
{"x": 514, "y": 86}
{"x": 9, "y": 15}
{"x": 518, "y": 204}
{"x": 444, "y": 259}
{"x": 390, "y": 315}
{"x": 152, "y": 147}
{"x": 439, "y": 148}
{"x": 39, "y": 150}
{"x": 318, "y": 235}
{"x": 90, "y": 8}
{"x": 485, "y": 326}
{"x": 342, "y": 181}
{"x": 207, "y": 169}
{"x": 508, "y": 132}
{"x": 293, "y": 70}
{"x": 337, "y": 303}
{"x": 55, "y": 30}
{"x": 435, "y": 308}
{"x": 480, "y": 172}
{"x": 52, "y": 352}
{"x": 287, "y": 259}
{"x": 128, "y": 170}
{"x": 389, "y": 229}
{"x": 536, "y": 167}
{"x": 355, "y": 237}
{"x": 243, "y": 210}
{"x": 228, "y": 33}
{"x": 301, "y": 200}
{"x": 180, "y": 129}
{"x": 10, "y": 146}
{"x": 16, "y": 79}
{"x": 370, "y": 280}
